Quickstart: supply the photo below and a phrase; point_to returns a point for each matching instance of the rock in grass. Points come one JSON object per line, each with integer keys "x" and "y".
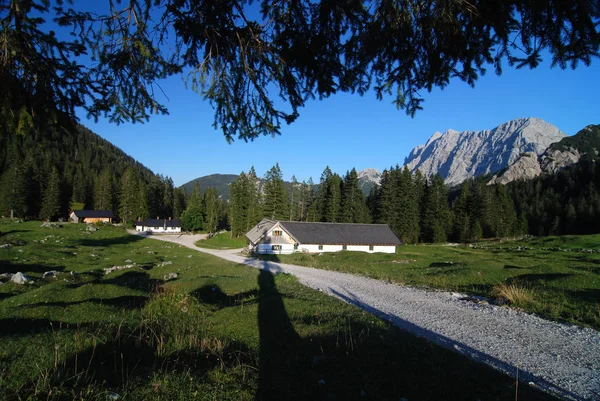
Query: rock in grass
{"x": 129, "y": 261}
{"x": 168, "y": 262}
{"x": 6, "y": 276}
{"x": 170, "y": 276}
{"x": 115, "y": 268}
{"x": 5, "y": 246}
{"x": 48, "y": 224}
{"x": 21, "y": 278}
{"x": 48, "y": 274}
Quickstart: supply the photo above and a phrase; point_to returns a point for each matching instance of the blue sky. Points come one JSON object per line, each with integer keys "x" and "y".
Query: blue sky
{"x": 346, "y": 131}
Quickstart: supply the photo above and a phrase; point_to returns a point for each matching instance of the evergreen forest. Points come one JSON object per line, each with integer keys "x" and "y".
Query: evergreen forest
{"x": 44, "y": 175}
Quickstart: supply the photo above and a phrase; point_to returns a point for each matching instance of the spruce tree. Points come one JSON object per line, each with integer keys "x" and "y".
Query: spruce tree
{"x": 168, "y": 197}
{"x": 51, "y": 204}
{"x": 333, "y": 198}
{"x": 407, "y": 226}
{"x": 275, "y": 197}
{"x": 211, "y": 210}
{"x": 193, "y": 216}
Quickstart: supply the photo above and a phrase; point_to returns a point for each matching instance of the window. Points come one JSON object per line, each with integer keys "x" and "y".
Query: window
{"x": 277, "y": 233}
{"x": 371, "y": 247}
{"x": 276, "y": 247}
{"x": 320, "y": 247}
{"x": 295, "y": 247}
{"x": 344, "y": 247}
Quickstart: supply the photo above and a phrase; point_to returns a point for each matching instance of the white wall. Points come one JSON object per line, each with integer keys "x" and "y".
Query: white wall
{"x": 169, "y": 230}
{"x": 268, "y": 248}
{"x": 314, "y": 248}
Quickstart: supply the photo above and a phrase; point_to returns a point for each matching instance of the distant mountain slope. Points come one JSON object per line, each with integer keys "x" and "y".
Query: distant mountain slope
{"x": 79, "y": 157}
{"x": 458, "y": 156}
{"x": 585, "y": 145}
{"x": 219, "y": 181}
{"x": 367, "y": 178}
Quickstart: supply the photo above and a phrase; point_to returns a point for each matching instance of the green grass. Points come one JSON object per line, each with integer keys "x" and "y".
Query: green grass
{"x": 564, "y": 284}
{"x": 220, "y": 331}
{"x": 222, "y": 241}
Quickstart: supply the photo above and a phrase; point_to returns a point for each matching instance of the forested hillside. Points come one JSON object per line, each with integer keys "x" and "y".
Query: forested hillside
{"x": 44, "y": 172}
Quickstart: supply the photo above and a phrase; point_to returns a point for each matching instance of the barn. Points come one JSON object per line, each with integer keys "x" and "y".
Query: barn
{"x": 285, "y": 237}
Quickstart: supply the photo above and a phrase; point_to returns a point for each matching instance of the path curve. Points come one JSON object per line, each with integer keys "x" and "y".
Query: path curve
{"x": 561, "y": 359}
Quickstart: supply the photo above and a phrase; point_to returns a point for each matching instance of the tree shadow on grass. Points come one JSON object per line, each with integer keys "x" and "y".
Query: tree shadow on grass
{"x": 9, "y": 327}
{"x": 103, "y": 242}
{"x": 35, "y": 268}
{"x": 213, "y": 295}
{"x": 124, "y": 302}
{"x": 591, "y": 295}
{"x": 9, "y": 232}
{"x": 4, "y": 295}
{"x": 532, "y": 278}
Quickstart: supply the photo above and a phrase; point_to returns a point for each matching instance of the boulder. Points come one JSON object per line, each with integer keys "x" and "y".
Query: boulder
{"x": 21, "y": 278}
{"x": 49, "y": 274}
{"x": 170, "y": 276}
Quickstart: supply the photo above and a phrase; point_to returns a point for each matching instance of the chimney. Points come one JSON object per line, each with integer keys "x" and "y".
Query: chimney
{"x": 157, "y": 218}
{"x": 169, "y": 219}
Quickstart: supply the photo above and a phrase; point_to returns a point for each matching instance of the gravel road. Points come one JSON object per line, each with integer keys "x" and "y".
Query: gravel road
{"x": 561, "y": 359}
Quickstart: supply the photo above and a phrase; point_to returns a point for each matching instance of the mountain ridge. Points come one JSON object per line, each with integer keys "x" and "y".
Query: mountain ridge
{"x": 459, "y": 155}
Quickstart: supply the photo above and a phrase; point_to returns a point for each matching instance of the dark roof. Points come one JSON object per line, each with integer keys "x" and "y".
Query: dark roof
{"x": 159, "y": 223}
{"x": 339, "y": 233}
{"x": 94, "y": 213}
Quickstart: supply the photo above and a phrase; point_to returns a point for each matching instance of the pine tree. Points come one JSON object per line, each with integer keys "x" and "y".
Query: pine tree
{"x": 436, "y": 220}
{"x": 168, "y": 197}
{"x": 333, "y": 199}
{"x": 386, "y": 213}
{"x": 462, "y": 219}
{"x": 179, "y": 201}
{"x": 294, "y": 195}
{"x": 275, "y": 197}
{"x": 254, "y": 199}
{"x": 193, "y": 216}
{"x": 407, "y": 226}
{"x": 51, "y": 205}
{"x": 104, "y": 192}
{"x": 506, "y": 223}
{"x": 133, "y": 198}
{"x": 211, "y": 210}
{"x": 15, "y": 192}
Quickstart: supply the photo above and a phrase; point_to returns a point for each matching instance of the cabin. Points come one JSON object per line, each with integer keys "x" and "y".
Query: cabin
{"x": 161, "y": 226}
{"x": 91, "y": 216}
{"x": 285, "y": 237}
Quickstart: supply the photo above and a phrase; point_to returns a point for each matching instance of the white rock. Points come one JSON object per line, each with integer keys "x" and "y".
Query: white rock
{"x": 21, "y": 278}
{"x": 170, "y": 276}
{"x": 5, "y": 246}
{"x": 115, "y": 268}
{"x": 51, "y": 273}
{"x": 168, "y": 262}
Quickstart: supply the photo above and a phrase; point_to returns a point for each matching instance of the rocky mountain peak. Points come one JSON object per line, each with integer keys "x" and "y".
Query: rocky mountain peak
{"x": 458, "y": 155}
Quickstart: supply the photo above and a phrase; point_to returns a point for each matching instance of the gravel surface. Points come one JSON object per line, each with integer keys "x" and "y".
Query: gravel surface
{"x": 561, "y": 359}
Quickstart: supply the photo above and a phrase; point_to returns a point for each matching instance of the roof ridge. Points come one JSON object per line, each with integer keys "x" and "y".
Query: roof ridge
{"x": 327, "y": 222}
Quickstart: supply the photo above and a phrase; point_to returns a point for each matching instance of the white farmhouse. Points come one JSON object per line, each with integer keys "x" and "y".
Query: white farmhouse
{"x": 162, "y": 226}
{"x": 284, "y": 237}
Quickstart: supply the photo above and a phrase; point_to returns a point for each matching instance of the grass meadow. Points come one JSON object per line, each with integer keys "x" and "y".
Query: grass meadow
{"x": 218, "y": 331}
{"x": 555, "y": 277}
{"x": 222, "y": 240}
